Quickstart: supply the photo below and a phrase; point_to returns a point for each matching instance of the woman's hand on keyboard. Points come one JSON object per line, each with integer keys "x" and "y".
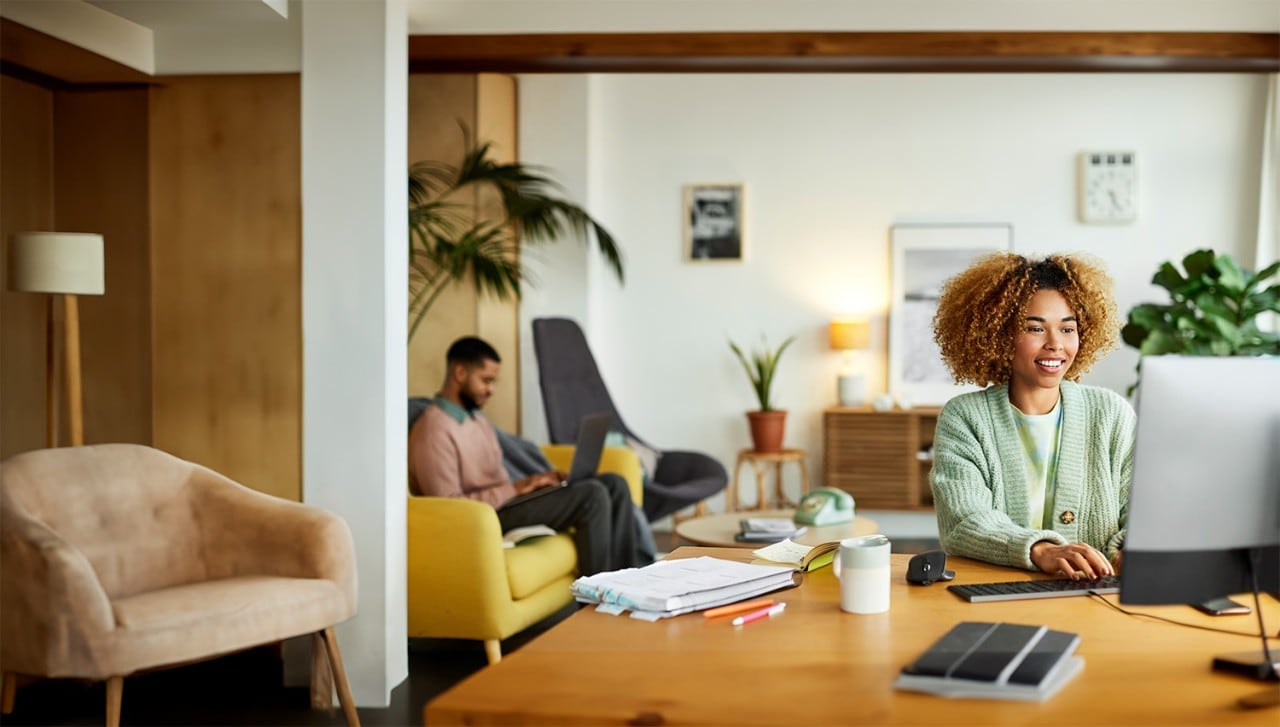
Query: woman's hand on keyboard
{"x": 1074, "y": 561}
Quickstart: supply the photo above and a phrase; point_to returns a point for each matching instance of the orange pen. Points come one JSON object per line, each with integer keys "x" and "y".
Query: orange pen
{"x": 738, "y": 608}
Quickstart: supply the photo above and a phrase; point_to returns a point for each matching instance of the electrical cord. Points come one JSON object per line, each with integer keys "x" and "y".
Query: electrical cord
{"x": 1175, "y": 622}
{"x": 1254, "y": 554}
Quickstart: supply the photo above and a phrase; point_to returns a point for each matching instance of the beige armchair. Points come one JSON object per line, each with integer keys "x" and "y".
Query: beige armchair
{"x": 118, "y": 558}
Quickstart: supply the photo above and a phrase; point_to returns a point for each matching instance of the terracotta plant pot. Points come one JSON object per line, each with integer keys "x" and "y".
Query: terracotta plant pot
{"x": 766, "y": 429}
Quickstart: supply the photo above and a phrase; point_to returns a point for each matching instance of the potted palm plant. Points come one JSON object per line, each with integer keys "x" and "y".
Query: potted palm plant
{"x": 1214, "y": 310}
{"x": 767, "y": 423}
{"x": 448, "y": 243}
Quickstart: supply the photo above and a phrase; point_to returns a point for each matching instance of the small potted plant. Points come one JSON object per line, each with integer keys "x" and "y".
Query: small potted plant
{"x": 767, "y": 423}
{"x": 1214, "y": 310}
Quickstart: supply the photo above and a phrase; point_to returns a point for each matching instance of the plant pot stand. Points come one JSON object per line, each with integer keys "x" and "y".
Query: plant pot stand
{"x": 761, "y": 463}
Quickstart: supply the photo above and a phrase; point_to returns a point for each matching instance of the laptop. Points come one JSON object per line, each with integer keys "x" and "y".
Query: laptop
{"x": 592, "y": 431}
{"x": 586, "y": 453}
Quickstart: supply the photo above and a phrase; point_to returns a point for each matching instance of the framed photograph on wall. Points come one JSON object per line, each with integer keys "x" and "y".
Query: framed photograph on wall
{"x": 713, "y": 222}
{"x": 925, "y": 256}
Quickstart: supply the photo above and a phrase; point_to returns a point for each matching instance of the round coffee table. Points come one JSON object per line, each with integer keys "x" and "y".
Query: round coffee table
{"x": 718, "y": 530}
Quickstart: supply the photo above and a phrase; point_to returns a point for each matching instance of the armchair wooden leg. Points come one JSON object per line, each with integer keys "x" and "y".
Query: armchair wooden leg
{"x": 321, "y": 674}
{"x": 493, "y": 650}
{"x": 340, "y": 678}
{"x": 10, "y": 691}
{"x": 115, "y": 695}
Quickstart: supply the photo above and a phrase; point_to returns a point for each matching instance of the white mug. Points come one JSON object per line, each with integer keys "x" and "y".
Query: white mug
{"x": 862, "y": 566}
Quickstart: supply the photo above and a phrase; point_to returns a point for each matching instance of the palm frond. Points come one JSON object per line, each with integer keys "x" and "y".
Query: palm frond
{"x": 447, "y": 244}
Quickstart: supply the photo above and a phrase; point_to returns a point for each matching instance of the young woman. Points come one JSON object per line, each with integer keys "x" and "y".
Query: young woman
{"x": 1034, "y": 470}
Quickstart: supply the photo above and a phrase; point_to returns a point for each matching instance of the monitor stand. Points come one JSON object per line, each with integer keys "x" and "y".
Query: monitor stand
{"x": 1253, "y": 664}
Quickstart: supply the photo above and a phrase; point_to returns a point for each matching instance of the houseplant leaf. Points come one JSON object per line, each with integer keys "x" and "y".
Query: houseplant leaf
{"x": 448, "y": 244}
{"x": 761, "y": 368}
{"x": 1213, "y": 310}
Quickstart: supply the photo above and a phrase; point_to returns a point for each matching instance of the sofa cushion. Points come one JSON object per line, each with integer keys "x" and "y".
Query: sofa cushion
{"x": 192, "y": 621}
{"x": 533, "y": 564}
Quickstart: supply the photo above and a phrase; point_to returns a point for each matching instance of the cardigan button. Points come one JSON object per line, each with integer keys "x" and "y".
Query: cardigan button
{"x": 1067, "y": 517}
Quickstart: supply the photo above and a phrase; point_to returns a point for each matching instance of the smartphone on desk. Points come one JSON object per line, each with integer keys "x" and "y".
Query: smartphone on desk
{"x": 1222, "y": 607}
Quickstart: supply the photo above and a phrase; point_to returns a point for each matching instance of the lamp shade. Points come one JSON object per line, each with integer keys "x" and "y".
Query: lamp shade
{"x": 849, "y": 335}
{"x": 56, "y": 262}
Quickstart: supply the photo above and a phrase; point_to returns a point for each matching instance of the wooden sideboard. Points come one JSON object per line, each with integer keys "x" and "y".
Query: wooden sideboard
{"x": 882, "y": 458}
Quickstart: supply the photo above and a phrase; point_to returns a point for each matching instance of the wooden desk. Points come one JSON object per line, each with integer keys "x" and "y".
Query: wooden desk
{"x": 816, "y": 665}
{"x": 719, "y": 530}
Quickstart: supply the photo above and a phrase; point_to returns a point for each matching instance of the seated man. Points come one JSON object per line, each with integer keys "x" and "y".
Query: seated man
{"x": 454, "y": 452}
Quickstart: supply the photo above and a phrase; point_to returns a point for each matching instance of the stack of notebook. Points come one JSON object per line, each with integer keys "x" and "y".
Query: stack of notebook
{"x": 767, "y": 529}
{"x": 995, "y": 661}
{"x": 675, "y": 586}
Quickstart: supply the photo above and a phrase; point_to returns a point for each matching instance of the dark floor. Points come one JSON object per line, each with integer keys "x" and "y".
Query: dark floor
{"x": 244, "y": 689}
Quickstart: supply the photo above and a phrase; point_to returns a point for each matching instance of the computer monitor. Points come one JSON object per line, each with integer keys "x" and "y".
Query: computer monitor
{"x": 1204, "y": 508}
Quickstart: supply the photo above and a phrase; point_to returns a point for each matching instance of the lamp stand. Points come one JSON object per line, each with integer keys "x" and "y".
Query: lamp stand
{"x": 69, "y": 369}
{"x": 71, "y": 343}
{"x": 51, "y": 376}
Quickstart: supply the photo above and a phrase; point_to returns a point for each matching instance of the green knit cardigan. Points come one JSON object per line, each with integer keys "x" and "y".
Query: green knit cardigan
{"x": 979, "y": 481}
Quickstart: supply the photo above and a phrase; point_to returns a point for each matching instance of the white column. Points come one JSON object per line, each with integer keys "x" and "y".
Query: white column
{"x": 354, "y": 235}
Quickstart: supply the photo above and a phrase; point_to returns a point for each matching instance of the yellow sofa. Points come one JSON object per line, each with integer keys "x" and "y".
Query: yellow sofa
{"x": 464, "y": 585}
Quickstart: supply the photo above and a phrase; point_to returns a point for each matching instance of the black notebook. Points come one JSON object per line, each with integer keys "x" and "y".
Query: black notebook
{"x": 995, "y": 661}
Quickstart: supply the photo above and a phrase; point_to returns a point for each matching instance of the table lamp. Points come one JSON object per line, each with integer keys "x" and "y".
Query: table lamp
{"x": 848, "y": 336}
{"x": 65, "y": 264}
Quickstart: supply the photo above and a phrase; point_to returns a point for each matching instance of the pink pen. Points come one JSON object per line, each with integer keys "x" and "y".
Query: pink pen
{"x": 757, "y": 615}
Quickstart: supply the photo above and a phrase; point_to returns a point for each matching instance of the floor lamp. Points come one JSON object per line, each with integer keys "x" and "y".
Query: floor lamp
{"x": 65, "y": 264}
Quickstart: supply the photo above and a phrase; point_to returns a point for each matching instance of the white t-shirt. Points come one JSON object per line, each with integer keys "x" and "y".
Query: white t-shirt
{"x": 1039, "y": 434}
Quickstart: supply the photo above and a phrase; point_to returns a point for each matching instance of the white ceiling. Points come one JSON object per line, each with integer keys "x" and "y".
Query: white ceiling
{"x": 173, "y": 14}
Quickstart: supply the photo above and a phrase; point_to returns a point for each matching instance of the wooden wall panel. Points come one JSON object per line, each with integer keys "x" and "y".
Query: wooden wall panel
{"x": 100, "y": 185}
{"x": 226, "y": 268}
{"x": 26, "y": 203}
{"x": 437, "y": 104}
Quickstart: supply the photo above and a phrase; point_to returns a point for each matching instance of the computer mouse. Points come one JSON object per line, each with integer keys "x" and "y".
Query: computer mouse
{"x": 928, "y": 567}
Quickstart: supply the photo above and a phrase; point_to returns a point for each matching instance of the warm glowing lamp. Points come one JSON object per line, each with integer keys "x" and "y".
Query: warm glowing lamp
{"x": 65, "y": 264}
{"x": 848, "y": 336}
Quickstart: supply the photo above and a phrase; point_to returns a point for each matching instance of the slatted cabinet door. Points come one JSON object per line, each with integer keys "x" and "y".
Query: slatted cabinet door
{"x": 881, "y": 458}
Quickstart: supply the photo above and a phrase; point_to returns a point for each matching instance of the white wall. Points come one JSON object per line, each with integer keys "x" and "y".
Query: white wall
{"x": 830, "y": 162}
{"x": 561, "y": 268}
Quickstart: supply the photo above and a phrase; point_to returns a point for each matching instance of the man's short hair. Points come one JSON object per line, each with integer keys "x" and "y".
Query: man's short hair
{"x": 471, "y": 351}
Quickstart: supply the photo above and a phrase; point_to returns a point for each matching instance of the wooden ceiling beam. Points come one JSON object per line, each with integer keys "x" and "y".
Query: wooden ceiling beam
{"x": 807, "y": 52}
{"x": 48, "y": 61}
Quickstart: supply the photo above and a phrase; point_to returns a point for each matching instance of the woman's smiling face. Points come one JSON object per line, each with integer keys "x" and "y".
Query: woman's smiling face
{"x": 1047, "y": 343}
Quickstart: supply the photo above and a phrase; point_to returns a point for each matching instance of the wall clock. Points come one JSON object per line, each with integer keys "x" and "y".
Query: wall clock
{"x": 1108, "y": 189}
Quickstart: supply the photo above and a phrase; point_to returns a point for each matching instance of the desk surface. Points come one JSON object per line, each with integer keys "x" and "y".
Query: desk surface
{"x": 719, "y": 530}
{"x": 815, "y": 665}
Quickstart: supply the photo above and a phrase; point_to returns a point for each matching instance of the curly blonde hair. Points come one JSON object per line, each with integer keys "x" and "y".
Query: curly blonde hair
{"x": 980, "y": 312}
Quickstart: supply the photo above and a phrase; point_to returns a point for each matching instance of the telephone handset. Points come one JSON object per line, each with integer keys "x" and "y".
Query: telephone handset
{"x": 825, "y": 506}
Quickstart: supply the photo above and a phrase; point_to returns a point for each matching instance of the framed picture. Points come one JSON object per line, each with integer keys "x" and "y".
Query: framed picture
{"x": 713, "y": 222}
{"x": 925, "y": 256}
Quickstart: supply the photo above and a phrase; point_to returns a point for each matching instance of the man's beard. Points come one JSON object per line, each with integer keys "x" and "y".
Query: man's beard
{"x": 468, "y": 403}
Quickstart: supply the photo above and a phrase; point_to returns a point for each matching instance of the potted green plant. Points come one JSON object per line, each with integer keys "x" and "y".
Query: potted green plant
{"x": 1214, "y": 310}
{"x": 767, "y": 423}
{"x": 448, "y": 244}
